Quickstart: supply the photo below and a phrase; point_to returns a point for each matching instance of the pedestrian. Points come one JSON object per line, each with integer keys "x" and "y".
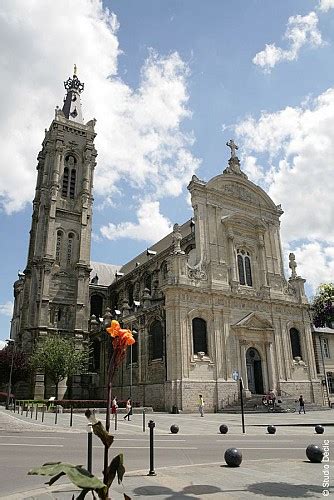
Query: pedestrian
{"x": 114, "y": 407}
{"x": 272, "y": 397}
{"x": 128, "y": 409}
{"x": 301, "y": 404}
{"x": 201, "y": 405}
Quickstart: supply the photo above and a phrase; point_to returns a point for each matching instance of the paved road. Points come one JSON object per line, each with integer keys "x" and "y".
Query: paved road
{"x": 192, "y": 454}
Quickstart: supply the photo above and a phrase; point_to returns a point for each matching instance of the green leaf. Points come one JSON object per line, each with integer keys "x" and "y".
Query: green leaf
{"x": 76, "y": 473}
{"x": 116, "y": 467}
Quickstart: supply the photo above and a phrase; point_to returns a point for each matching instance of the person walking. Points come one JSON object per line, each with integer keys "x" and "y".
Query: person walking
{"x": 201, "y": 405}
{"x": 128, "y": 409}
{"x": 114, "y": 407}
{"x": 301, "y": 404}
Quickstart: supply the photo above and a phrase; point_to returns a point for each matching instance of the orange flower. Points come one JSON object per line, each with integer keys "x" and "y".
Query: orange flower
{"x": 122, "y": 336}
{"x": 114, "y": 328}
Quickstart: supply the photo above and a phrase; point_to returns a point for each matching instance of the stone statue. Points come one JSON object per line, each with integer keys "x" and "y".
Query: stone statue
{"x": 177, "y": 237}
{"x": 292, "y": 265}
{"x": 233, "y": 147}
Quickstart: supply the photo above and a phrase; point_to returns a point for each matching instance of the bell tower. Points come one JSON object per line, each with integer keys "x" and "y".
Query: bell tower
{"x": 53, "y": 296}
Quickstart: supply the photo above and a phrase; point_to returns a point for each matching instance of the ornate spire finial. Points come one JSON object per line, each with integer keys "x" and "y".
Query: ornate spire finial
{"x": 233, "y": 162}
{"x": 72, "y": 105}
{"x": 233, "y": 147}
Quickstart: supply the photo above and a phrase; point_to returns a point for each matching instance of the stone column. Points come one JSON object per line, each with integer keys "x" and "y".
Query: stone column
{"x": 243, "y": 349}
{"x": 271, "y": 366}
{"x": 227, "y": 345}
{"x": 263, "y": 271}
{"x": 230, "y": 239}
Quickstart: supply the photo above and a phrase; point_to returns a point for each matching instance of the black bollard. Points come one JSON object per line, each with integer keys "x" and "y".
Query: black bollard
{"x": 89, "y": 448}
{"x": 43, "y": 411}
{"x": 144, "y": 418}
{"x": 31, "y": 410}
{"x": 319, "y": 429}
{"x": 14, "y": 408}
{"x": 233, "y": 457}
{"x": 56, "y": 414}
{"x": 71, "y": 417}
{"x": 27, "y": 410}
{"x": 151, "y": 426}
{"x": 22, "y": 408}
{"x": 223, "y": 429}
{"x": 271, "y": 429}
{"x": 314, "y": 453}
{"x": 36, "y": 412}
{"x": 174, "y": 429}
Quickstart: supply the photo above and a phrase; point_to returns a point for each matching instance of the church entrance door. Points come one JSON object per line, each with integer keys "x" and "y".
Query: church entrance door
{"x": 254, "y": 371}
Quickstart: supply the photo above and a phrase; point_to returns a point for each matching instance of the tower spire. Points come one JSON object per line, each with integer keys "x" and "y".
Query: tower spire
{"x": 72, "y": 103}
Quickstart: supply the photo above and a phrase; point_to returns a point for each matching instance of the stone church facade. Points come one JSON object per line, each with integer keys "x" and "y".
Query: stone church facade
{"x": 208, "y": 303}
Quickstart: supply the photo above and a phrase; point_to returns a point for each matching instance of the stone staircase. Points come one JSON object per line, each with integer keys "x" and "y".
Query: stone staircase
{"x": 254, "y": 405}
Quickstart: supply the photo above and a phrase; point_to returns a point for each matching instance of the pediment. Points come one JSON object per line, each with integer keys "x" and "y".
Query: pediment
{"x": 254, "y": 321}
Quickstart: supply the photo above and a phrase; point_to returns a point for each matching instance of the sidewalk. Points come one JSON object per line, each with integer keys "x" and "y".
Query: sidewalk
{"x": 213, "y": 481}
{"x": 259, "y": 477}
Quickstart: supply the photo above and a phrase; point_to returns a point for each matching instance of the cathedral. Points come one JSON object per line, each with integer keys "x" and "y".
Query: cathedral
{"x": 208, "y": 304}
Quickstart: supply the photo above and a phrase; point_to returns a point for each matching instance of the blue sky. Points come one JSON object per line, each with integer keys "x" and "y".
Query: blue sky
{"x": 169, "y": 82}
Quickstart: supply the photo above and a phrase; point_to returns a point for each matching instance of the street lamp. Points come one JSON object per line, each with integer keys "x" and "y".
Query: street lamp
{"x": 10, "y": 342}
{"x": 134, "y": 333}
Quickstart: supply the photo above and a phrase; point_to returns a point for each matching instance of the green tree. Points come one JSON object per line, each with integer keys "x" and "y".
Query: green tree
{"x": 20, "y": 365}
{"x": 323, "y": 305}
{"x": 58, "y": 359}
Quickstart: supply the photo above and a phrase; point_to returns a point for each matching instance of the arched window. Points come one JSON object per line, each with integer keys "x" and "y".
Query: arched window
{"x": 200, "y": 343}
{"x": 295, "y": 343}
{"x": 96, "y": 306}
{"x": 72, "y": 183}
{"x": 156, "y": 340}
{"x": 148, "y": 282}
{"x": 58, "y": 246}
{"x": 244, "y": 268}
{"x": 64, "y": 189}
{"x": 70, "y": 247}
{"x": 130, "y": 294}
{"x": 132, "y": 351}
{"x": 164, "y": 270}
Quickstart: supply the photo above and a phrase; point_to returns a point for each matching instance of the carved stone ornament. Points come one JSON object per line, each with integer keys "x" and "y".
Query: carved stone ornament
{"x": 197, "y": 273}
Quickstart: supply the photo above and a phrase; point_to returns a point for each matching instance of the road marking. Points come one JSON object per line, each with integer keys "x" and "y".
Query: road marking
{"x": 147, "y": 447}
{"x": 156, "y": 440}
{"x": 253, "y": 440}
{"x": 34, "y": 437}
{"x": 35, "y": 445}
{"x": 272, "y": 448}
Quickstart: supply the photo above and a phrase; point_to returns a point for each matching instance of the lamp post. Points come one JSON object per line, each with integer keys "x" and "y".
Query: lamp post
{"x": 10, "y": 341}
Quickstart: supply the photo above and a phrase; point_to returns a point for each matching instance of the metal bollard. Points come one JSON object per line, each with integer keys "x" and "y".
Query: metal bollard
{"x": 31, "y": 410}
{"x": 71, "y": 417}
{"x": 56, "y": 414}
{"x": 89, "y": 448}
{"x": 144, "y": 418}
{"x": 14, "y": 407}
{"x": 43, "y": 411}
{"x": 116, "y": 421}
{"x": 36, "y": 412}
{"x": 27, "y": 410}
{"x": 151, "y": 426}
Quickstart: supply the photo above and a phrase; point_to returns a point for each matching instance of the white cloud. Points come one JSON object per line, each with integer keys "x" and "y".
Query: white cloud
{"x": 300, "y": 31}
{"x": 299, "y": 146}
{"x": 325, "y": 5}
{"x": 7, "y": 309}
{"x": 152, "y": 225}
{"x": 139, "y": 131}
